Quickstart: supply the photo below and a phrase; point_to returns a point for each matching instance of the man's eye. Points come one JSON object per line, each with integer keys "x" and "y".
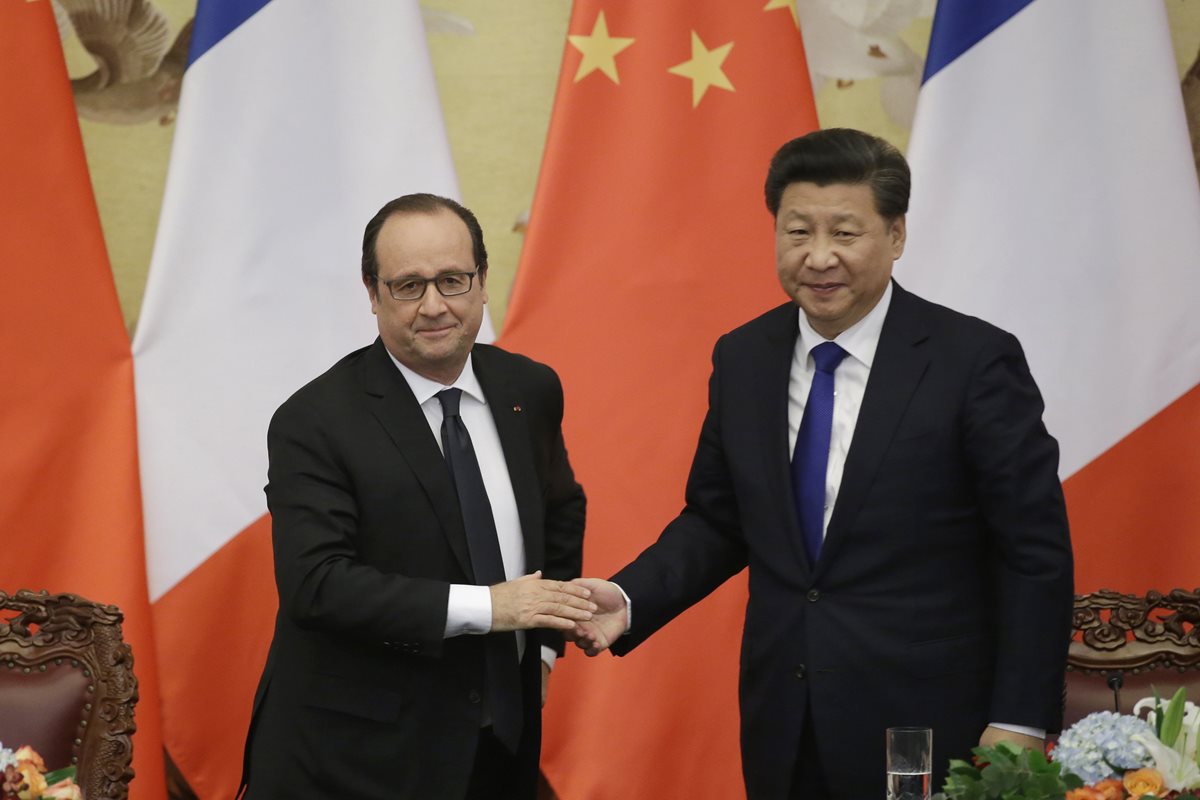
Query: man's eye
{"x": 453, "y": 281}
{"x": 798, "y": 232}
{"x": 408, "y": 287}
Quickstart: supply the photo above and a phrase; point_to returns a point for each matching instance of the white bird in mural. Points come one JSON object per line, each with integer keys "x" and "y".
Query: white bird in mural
{"x": 139, "y": 69}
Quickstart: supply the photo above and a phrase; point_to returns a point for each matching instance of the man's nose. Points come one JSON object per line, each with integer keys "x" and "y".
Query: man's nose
{"x": 431, "y": 303}
{"x": 822, "y": 254}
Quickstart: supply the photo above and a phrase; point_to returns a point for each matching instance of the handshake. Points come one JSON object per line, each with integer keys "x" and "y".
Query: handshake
{"x": 589, "y": 611}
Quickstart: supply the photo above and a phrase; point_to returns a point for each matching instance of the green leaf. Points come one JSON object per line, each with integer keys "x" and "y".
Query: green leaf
{"x": 58, "y": 774}
{"x": 1172, "y": 720}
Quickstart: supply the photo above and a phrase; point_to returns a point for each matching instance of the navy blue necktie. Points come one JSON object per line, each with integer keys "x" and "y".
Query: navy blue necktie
{"x": 503, "y": 679}
{"x": 811, "y": 458}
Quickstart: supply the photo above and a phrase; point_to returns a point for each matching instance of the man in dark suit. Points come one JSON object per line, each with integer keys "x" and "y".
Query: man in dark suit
{"x": 411, "y": 647}
{"x": 880, "y": 464}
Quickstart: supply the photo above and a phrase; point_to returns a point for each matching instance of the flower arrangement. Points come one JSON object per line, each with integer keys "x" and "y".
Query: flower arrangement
{"x": 1104, "y": 756}
{"x": 1155, "y": 757}
{"x": 23, "y": 776}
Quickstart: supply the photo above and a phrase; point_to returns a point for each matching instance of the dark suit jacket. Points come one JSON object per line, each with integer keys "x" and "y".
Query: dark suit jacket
{"x": 943, "y": 592}
{"x": 362, "y": 696}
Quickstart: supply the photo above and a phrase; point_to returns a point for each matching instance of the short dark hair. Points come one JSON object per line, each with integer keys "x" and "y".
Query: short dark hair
{"x": 842, "y": 155}
{"x": 419, "y": 204}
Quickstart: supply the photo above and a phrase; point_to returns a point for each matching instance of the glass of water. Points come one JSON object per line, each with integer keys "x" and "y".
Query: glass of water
{"x": 909, "y": 763}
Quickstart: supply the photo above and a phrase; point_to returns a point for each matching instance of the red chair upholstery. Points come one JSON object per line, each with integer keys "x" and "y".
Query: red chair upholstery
{"x": 67, "y": 687}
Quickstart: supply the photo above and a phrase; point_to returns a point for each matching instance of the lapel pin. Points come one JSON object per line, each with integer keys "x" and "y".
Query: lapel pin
{"x": 517, "y": 408}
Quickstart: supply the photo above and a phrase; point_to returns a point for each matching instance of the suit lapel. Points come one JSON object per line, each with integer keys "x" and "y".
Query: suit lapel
{"x": 395, "y": 407}
{"x": 770, "y": 403}
{"x": 900, "y": 361}
{"x": 504, "y": 401}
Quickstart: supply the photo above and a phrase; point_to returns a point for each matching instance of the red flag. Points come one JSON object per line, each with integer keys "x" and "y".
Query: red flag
{"x": 648, "y": 238}
{"x": 70, "y": 511}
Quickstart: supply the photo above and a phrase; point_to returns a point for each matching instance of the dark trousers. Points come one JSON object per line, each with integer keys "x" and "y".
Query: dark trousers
{"x": 496, "y": 773}
{"x": 808, "y": 779}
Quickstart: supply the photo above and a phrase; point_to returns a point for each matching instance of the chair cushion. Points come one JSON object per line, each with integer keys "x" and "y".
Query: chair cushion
{"x": 43, "y": 708}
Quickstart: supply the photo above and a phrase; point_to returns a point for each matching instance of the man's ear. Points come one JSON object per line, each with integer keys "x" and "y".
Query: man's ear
{"x": 898, "y": 231}
{"x": 372, "y": 286}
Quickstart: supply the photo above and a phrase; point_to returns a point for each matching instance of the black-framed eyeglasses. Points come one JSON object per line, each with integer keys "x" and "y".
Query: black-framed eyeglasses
{"x": 449, "y": 284}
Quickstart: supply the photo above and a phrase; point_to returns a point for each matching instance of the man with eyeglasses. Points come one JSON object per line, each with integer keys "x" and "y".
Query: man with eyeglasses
{"x": 426, "y": 524}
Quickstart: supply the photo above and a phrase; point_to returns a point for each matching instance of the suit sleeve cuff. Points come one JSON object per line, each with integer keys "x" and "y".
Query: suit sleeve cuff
{"x": 469, "y": 610}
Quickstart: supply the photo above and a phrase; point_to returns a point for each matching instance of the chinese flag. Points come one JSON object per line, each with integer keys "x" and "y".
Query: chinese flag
{"x": 70, "y": 512}
{"x": 648, "y": 238}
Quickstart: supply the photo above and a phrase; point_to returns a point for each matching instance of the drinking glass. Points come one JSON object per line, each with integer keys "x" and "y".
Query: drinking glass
{"x": 909, "y": 763}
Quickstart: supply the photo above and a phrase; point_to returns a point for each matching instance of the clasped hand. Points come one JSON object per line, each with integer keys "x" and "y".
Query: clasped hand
{"x": 533, "y": 602}
{"x": 607, "y": 624}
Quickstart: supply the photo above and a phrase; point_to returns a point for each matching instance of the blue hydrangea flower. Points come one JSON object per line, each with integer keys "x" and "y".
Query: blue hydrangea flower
{"x": 1101, "y": 745}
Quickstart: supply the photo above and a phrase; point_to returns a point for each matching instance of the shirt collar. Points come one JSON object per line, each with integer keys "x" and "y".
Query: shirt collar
{"x": 424, "y": 389}
{"x": 860, "y": 340}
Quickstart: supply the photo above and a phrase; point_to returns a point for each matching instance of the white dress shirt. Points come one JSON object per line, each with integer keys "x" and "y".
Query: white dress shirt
{"x": 469, "y": 610}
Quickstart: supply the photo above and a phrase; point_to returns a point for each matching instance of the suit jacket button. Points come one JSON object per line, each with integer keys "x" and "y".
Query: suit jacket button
{"x": 813, "y": 595}
{"x": 800, "y": 672}
{"x": 473, "y": 696}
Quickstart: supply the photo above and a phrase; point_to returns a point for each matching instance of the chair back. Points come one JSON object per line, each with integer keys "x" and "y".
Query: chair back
{"x": 1126, "y": 646}
{"x": 67, "y": 687}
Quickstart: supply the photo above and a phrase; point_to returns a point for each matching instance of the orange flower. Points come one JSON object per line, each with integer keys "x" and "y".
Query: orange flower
{"x": 27, "y": 753}
{"x": 1141, "y": 782}
{"x": 35, "y": 782}
{"x": 63, "y": 790}
{"x": 1110, "y": 789}
{"x": 1085, "y": 793}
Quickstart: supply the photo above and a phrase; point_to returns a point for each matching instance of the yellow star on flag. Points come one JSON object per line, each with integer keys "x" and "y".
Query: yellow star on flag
{"x": 790, "y": 5}
{"x": 599, "y": 51}
{"x": 704, "y": 68}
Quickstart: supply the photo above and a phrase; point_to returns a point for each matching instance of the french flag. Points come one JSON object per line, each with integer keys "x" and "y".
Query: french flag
{"x": 298, "y": 120}
{"x": 1055, "y": 194}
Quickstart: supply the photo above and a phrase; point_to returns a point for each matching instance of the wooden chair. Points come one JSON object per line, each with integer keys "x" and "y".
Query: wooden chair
{"x": 1125, "y": 646}
{"x": 67, "y": 687}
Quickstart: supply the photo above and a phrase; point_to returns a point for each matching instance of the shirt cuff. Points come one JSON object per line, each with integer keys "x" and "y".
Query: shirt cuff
{"x": 628, "y": 610}
{"x": 1039, "y": 733}
{"x": 549, "y": 656}
{"x": 469, "y": 610}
